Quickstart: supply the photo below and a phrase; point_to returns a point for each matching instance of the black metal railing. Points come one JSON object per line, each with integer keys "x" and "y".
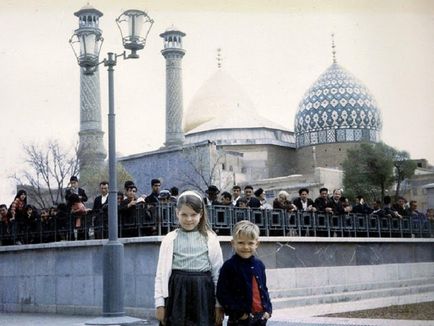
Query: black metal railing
{"x": 161, "y": 219}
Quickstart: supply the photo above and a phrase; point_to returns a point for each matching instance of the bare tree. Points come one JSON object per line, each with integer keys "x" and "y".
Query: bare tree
{"x": 204, "y": 167}
{"x": 48, "y": 168}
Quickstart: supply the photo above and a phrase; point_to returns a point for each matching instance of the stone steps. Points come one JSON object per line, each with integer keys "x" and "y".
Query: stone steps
{"x": 355, "y": 292}
{"x": 340, "y": 288}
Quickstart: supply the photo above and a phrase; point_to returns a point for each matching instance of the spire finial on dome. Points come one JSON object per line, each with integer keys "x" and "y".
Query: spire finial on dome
{"x": 333, "y": 48}
{"x": 219, "y": 58}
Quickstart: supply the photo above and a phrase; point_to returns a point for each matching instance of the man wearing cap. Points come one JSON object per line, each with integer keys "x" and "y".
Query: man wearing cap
{"x": 260, "y": 195}
{"x": 75, "y": 196}
{"x": 164, "y": 196}
{"x": 73, "y": 188}
{"x": 211, "y": 196}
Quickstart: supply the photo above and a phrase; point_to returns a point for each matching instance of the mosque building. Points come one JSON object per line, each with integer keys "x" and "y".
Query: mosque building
{"x": 221, "y": 139}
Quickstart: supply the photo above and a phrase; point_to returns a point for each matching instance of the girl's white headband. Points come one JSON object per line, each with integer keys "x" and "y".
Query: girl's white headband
{"x": 190, "y": 193}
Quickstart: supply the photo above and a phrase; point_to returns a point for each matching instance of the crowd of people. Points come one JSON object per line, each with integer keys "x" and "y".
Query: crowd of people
{"x": 23, "y": 223}
{"x": 335, "y": 203}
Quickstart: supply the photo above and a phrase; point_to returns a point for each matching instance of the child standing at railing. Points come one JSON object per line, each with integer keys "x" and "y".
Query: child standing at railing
{"x": 188, "y": 266}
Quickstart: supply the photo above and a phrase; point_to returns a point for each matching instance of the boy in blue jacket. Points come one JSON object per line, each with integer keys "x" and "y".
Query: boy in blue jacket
{"x": 242, "y": 285}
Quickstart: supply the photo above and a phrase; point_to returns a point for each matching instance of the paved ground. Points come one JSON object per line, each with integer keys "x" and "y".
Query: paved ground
{"x": 297, "y": 316}
{"x": 22, "y": 319}
{"x": 419, "y": 311}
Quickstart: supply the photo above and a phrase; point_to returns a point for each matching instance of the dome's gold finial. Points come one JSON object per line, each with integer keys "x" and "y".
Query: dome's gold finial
{"x": 219, "y": 58}
{"x": 333, "y": 48}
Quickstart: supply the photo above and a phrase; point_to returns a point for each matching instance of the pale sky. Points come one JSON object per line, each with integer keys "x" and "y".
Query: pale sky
{"x": 274, "y": 49}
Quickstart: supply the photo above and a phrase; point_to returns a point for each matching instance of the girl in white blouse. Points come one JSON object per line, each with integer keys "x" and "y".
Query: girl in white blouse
{"x": 188, "y": 267}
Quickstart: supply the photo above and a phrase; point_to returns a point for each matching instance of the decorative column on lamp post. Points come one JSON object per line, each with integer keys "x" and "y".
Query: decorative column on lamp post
{"x": 86, "y": 43}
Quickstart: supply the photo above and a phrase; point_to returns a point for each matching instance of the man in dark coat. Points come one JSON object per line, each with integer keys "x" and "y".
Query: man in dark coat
{"x": 337, "y": 203}
{"x": 100, "y": 210}
{"x": 304, "y": 203}
{"x": 72, "y": 189}
{"x": 323, "y": 202}
{"x": 211, "y": 196}
{"x": 153, "y": 197}
{"x": 252, "y": 201}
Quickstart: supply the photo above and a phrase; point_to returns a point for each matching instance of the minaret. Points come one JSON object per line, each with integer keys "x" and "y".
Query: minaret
{"x": 91, "y": 151}
{"x": 173, "y": 53}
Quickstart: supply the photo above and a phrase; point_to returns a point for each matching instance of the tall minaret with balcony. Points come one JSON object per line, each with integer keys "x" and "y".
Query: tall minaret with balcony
{"x": 173, "y": 53}
{"x": 91, "y": 152}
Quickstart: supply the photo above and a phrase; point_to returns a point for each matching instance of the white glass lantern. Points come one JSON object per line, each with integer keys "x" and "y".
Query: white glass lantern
{"x": 86, "y": 44}
{"x": 135, "y": 26}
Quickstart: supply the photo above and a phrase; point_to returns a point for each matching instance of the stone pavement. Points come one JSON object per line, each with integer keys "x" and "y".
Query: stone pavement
{"x": 25, "y": 319}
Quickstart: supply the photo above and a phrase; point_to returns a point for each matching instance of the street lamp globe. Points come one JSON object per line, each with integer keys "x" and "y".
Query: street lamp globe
{"x": 134, "y": 26}
{"x": 86, "y": 42}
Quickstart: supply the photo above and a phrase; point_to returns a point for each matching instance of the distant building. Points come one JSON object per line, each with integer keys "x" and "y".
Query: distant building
{"x": 420, "y": 187}
{"x": 224, "y": 141}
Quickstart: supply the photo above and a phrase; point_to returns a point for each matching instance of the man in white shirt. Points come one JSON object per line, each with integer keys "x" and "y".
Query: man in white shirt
{"x": 236, "y": 194}
{"x": 100, "y": 201}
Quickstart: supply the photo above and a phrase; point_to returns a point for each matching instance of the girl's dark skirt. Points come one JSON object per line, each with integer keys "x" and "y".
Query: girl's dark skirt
{"x": 191, "y": 300}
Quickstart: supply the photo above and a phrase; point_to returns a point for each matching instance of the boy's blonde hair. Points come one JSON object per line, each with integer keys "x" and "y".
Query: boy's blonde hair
{"x": 246, "y": 228}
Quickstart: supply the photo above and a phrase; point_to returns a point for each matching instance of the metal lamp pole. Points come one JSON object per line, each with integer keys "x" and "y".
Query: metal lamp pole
{"x": 113, "y": 312}
{"x": 113, "y": 250}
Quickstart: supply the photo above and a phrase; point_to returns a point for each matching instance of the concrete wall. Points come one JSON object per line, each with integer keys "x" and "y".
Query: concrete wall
{"x": 327, "y": 156}
{"x": 330, "y": 178}
{"x": 337, "y": 276}
{"x": 265, "y": 161}
{"x": 174, "y": 167}
{"x": 66, "y": 277}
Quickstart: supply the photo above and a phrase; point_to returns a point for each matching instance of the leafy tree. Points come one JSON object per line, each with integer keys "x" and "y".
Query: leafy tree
{"x": 368, "y": 170}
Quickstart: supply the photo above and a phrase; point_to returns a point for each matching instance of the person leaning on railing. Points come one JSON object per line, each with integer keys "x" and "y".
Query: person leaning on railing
{"x": 6, "y": 230}
{"x": 389, "y": 209}
{"x": 413, "y": 212}
{"x": 127, "y": 211}
{"x": 46, "y": 226}
{"x": 339, "y": 206}
{"x": 376, "y": 208}
{"x": 361, "y": 207}
{"x": 17, "y": 211}
{"x": 282, "y": 201}
{"x": 303, "y": 202}
{"x": 31, "y": 225}
{"x": 323, "y": 203}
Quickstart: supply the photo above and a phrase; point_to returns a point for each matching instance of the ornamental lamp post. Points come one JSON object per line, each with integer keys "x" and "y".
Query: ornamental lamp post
{"x": 86, "y": 44}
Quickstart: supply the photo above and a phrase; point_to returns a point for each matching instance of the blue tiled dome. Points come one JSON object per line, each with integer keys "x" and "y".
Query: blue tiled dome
{"x": 337, "y": 108}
